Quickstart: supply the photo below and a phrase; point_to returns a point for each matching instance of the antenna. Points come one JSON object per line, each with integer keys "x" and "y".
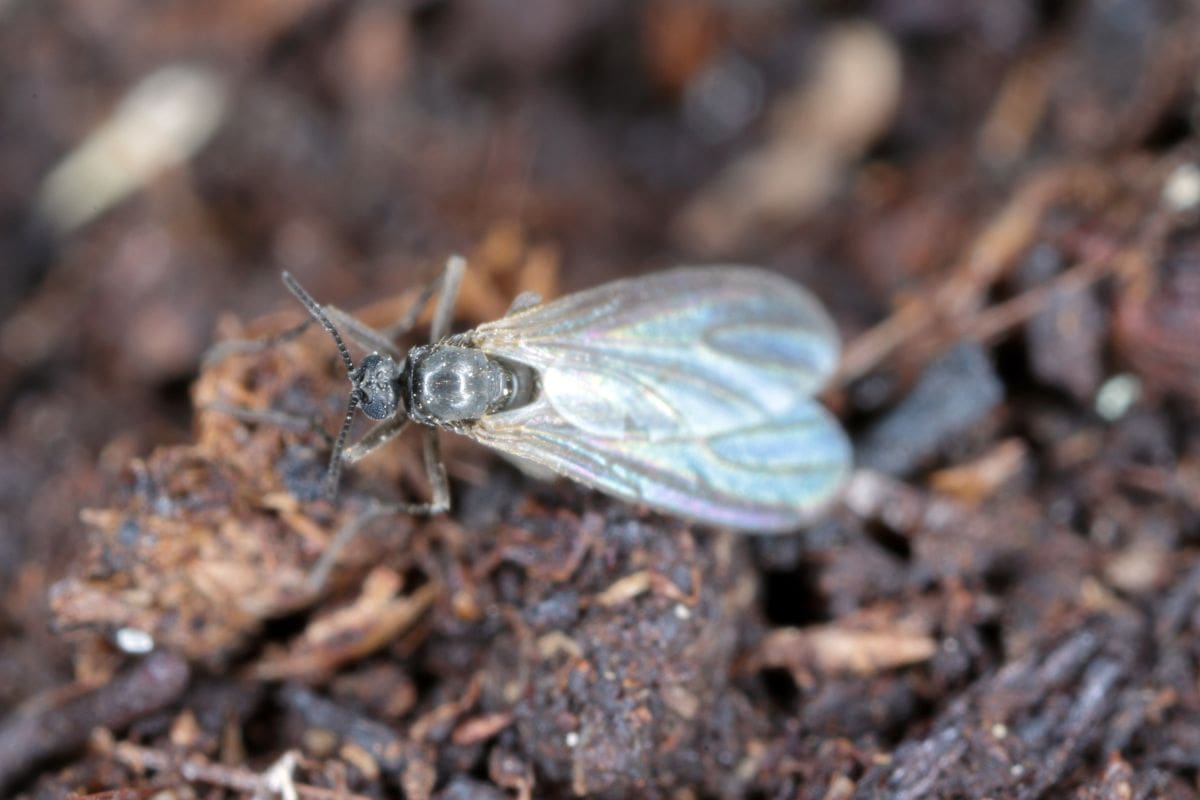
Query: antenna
{"x": 333, "y": 472}
{"x": 313, "y": 308}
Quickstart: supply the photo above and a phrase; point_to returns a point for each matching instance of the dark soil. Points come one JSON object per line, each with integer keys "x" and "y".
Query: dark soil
{"x": 998, "y": 202}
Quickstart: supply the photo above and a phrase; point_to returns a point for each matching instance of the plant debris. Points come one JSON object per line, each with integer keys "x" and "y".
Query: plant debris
{"x": 1000, "y": 206}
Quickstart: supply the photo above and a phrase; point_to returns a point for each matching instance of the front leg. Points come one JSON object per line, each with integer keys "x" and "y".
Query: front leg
{"x": 435, "y": 470}
{"x": 375, "y": 438}
{"x": 362, "y": 334}
{"x": 279, "y": 419}
{"x": 222, "y": 350}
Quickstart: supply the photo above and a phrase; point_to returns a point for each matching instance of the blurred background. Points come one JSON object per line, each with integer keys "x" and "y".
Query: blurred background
{"x": 161, "y": 163}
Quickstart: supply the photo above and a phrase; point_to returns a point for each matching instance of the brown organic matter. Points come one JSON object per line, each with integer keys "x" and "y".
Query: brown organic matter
{"x": 998, "y": 202}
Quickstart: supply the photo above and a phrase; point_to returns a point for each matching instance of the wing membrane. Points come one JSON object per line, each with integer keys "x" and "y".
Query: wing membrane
{"x": 687, "y": 390}
{"x": 766, "y": 476}
{"x": 695, "y": 350}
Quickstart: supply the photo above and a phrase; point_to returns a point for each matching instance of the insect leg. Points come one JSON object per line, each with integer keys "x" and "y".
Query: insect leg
{"x": 439, "y": 502}
{"x": 435, "y": 470}
{"x": 380, "y": 340}
{"x": 443, "y": 315}
{"x": 280, "y": 419}
{"x": 362, "y": 334}
{"x": 406, "y": 323}
{"x": 320, "y": 571}
{"x": 333, "y": 473}
{"x": 375, "y": 438}
{"x": 222, "y": 350}
{"x": 523, "y": 301}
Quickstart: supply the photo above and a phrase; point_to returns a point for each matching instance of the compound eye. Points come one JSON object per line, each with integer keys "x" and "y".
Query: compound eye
{"x": 375, "y": 383}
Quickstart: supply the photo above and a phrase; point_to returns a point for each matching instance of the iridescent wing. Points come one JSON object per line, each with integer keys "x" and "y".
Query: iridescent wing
{"x": 689, "y": 391}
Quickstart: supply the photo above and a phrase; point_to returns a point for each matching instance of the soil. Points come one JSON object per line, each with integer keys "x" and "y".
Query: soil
{"x": 999, "y": 204}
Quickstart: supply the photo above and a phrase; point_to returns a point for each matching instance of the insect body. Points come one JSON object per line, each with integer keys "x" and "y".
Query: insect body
{"x": 688, "y": 390}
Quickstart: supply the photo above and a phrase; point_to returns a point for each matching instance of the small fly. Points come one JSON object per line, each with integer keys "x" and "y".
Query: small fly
{"x": 689, "y": 391}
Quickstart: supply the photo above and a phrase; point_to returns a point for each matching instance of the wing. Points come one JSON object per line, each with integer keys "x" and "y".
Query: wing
{"x": 689, "y": 391}
{"x": 765, "y": 476}
{"x": 692, "y": 350}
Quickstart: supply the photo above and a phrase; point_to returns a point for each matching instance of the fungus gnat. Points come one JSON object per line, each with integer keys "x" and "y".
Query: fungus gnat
{"x": 690, "y": 391}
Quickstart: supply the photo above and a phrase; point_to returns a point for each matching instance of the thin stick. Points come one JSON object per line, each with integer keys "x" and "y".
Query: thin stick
{"x": 232, "y": 778}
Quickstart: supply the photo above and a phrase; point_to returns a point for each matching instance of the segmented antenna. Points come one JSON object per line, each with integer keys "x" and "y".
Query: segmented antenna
{"x": 319, "y": 315}
{"x": 333, "y": 472}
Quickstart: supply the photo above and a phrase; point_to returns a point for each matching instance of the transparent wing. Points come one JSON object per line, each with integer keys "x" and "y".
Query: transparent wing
{"x": 765, "y": 476}
{"x": 687, "y": 390}
{"x": 689, "y": 351}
